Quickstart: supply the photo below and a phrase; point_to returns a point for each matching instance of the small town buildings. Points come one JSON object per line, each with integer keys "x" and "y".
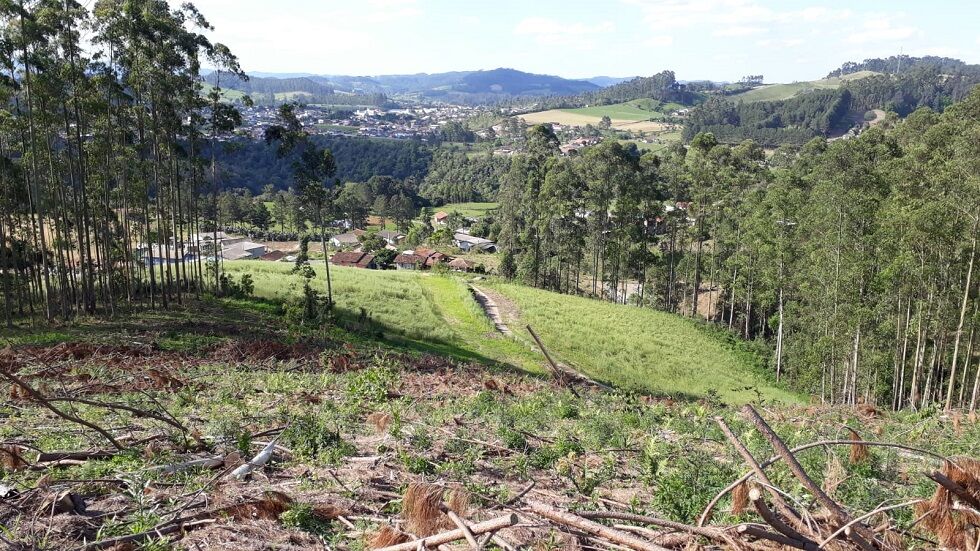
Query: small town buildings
{"x": 353, "y": 260}
{"x": 349, "y": 239}
{"x": 466, "y": 243}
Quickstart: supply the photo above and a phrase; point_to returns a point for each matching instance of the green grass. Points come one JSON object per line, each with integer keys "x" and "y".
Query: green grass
{"x": 472, "y": 210}
{"x": 636, "y": 110}
{"x": 625, "y": 346}
{"x": 776, "y": 92}
{"x": 423, "y": 311}
{"x": 642, "y": 348}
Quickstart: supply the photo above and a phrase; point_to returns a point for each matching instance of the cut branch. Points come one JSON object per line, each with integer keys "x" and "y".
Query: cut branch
{"x": 454, "y": 535}
{"x": 594, "y": 528}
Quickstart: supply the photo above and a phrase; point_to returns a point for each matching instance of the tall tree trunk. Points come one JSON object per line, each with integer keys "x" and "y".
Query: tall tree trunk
{"x": 959, "y": 326}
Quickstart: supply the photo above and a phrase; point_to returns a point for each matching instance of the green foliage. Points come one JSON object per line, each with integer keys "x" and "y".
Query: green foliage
{"x": 317, "y": 436}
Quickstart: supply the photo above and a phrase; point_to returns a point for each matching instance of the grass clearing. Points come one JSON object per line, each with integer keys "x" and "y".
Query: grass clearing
{"x": 777, "y": 92}
{"x": 641, "y": 348}
{"x": 628, "y": 347}
{"x": 471, "y": 210}
{"x": 423, "y": 311}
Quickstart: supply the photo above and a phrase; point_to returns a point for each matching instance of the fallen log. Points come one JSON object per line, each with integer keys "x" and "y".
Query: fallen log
{"x": 259, "y": 460}
{"x": 759, "y": 533}
{"x": 713, "y": 534}
{"x": 455, "y": 535}
{"x": 703, "y": 519}
{"x": 590, "y": 527}
{"x": 149, "y": 534}
{"x": 755, "y": 496}
{"x": 45, "y": 457}
{"x": 860, "y": 534}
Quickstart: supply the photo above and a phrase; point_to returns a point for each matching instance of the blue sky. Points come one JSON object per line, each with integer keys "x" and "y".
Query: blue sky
{"x": 784, "y": 40}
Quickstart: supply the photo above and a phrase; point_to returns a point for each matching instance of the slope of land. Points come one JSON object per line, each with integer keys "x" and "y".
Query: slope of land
{"x": 225, "y": 426}
{"x": 776, "y": 92}
{"x": 643, "y": 115}
{"x": 639, "y": 349}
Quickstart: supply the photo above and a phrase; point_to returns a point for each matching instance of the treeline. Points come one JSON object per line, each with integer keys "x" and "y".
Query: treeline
{"x": 825, "y": 112}
{"x": 455, "y": 177}
{"x": 901, "y": 63}
{"x": 252, "y": 163}
{"x": 101, "y": 164}
{"x": 855, "y": 261}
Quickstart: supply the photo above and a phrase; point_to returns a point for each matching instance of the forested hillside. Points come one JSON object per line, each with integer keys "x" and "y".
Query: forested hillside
{"x": 252, "y": 164}
{"x": 925, "y": 82}
{"x": 854, "y": 260}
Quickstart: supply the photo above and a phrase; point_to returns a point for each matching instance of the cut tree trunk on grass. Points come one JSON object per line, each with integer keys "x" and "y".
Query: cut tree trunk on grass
{"x": 149, "y": 534}
{"x": 455, "y": 535}
{"x": 259, "y": 460}
{"x": 713, "y": 534}
{"x": 45, "y": 457}
{"x": 568, "y": 519}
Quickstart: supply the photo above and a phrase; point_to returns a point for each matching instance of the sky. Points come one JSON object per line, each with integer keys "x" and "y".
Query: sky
{"x": 784, "y": 40}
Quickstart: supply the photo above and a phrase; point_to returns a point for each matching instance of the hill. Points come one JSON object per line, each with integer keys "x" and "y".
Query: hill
{"x": 655, "y": 352}
{"x": 463, "y": 86}
{"x": 777, "y": 92}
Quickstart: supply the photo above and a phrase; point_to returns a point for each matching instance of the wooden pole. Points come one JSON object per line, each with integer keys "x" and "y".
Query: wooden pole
{"x": 454, "y": 535}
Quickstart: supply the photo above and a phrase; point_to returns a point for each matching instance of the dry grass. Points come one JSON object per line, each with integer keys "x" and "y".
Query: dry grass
{"x": 740, "y": 498}
{"x": 859, "y": 452}
{"x": 954, "y": 528}
{"x": 420, "y": 509}
{"x": 386, "y": 536}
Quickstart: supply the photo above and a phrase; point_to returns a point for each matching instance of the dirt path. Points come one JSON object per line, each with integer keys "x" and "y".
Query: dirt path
{"x": 493, "y": 311}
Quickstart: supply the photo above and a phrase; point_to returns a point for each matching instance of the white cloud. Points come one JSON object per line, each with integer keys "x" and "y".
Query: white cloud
{"x": 658, "y": 41}
{"x": 738, "y": 31}
{"x": 882, "y": 30}
{"x": 554, "y": 32}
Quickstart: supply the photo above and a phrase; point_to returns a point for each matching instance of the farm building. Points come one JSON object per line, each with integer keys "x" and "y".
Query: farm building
{"x": 353, "y": 260}
{"x": 349, "y": 239}
{"x": 462, "y": 265}
{"x": 243, "y": 250}
{"x": 466, "y": 243}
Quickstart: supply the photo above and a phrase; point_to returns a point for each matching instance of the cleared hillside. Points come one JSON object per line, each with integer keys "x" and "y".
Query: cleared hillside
{"x": 777, "y": 92}
{"x": 625, "y": 346}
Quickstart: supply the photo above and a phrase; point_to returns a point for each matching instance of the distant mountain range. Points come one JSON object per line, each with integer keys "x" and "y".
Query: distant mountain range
{"x": 456, "y": 85}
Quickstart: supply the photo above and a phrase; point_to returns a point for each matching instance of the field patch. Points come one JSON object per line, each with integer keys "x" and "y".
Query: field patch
{"x": 777, "y": 92}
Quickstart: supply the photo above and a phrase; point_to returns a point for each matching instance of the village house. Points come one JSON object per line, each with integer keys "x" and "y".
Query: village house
{"x": 408, "y": 260}
{"x": 243, "y": 250}
{"x": 392, "y": 238}
{"x": 353, "y": 260}
{"x": 349, "y": 239}
{"x": 440, "y": 218}
{"x": 466, "y": 243}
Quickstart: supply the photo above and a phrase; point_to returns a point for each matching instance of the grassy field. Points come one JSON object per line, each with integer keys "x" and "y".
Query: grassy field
{"x": 472, "y": 210}
{"x": 636, "y": 110}
{"x": 423, "y": 311}
{"x": 641, "y": 348}
{"x": 776, "y": 92}
{"x": 625, "y": 346}
{"x": 633, "y": 115}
